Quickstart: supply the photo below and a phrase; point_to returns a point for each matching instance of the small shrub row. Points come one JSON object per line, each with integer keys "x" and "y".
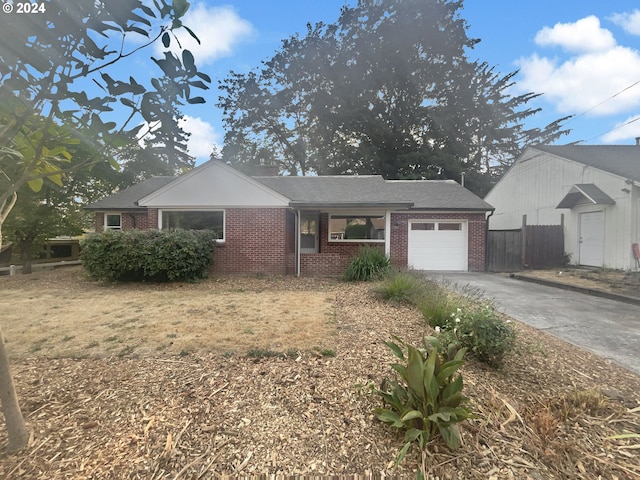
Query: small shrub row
{"x": 149, "y": 255}
{"x": 462, "y": 318}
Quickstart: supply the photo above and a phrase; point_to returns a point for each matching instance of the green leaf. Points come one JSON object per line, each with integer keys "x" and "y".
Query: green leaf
{"x": 166, "y": 39}
{"x": 127, "y": 103}
{"x": 395, "y": 349}
{"x": 414, "y": 433}
{"x": 195, "y": 37}
{"x": 429, "y": 381}
{"x": 196, "y": 100}
{"x": 415, "y": 371}
{"x": 387, "y": 416}
{"x": 451, "y": 436}
{"x": 35, "y": 184}
{"x": 188, "y": 61}
{"x": 402, "y": 453}
{"x": 449, "y": 369}
{"x": 180, "y": 7}
{"x": 204, "y": 77}
{"x": 411, "y": 415}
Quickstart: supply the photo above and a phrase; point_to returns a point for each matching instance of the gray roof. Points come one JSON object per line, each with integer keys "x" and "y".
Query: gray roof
{"x": 127, "y": 199}
{"x": 585, "y": 191}
{"x": 373, "y": 190}
{"x": 333, "y": 192}
{"x": 621, "y": 160}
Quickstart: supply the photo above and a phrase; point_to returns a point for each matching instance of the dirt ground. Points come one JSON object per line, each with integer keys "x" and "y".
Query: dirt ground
{"x": 619, "y": 282}
{"x": 207, "y": 406}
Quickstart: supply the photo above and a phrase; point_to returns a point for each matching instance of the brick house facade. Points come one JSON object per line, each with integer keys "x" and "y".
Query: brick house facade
{"x": 264, "y": 219}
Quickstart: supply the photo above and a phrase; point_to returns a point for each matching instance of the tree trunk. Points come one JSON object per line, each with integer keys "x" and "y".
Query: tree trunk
{"x": 16, "y": 426}
{"x": 26, "y": 257}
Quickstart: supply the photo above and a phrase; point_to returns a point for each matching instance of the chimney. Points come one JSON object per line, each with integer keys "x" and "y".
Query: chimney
{"x": 264, "y": 170}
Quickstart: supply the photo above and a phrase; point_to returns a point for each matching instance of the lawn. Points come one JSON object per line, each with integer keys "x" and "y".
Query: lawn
{"x": 269, "y": 376}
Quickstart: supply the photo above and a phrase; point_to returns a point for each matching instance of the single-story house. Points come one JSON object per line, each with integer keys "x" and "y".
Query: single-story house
{"x": 592, "y": 190}
{"x": 309, "y": 225}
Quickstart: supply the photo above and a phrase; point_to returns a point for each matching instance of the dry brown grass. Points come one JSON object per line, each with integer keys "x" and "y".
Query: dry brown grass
{"x": 549, "y": 413}
{"x": 42, "y": 316}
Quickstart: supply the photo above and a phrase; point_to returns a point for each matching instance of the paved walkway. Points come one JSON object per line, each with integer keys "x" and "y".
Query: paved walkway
{"x": 606, "y": 327}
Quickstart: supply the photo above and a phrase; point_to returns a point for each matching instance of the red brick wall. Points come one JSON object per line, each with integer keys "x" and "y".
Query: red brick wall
{"x": 256, "y": 241}
{"x": 130, "y": 220}
{"x": 476, "y": 230}
{"x": 263, "y": 241}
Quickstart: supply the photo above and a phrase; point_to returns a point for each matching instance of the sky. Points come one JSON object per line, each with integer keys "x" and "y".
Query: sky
{"x": 583, "y": 56}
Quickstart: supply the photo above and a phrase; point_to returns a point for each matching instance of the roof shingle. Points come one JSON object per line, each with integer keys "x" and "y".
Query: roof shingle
{"x": 621, "y": 160}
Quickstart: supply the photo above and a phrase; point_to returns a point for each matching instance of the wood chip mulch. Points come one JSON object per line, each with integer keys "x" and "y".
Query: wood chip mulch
{"x": 547, "y": 414}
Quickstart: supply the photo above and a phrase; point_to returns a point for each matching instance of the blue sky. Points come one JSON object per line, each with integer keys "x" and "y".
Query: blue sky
{"x": 580, "y": 54}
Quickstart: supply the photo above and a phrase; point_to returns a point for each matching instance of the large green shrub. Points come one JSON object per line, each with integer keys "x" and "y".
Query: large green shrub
{"x": 426, "y": 397}
{"x": 370, "y": 264}
{"x": 151, "y": 255}
{"x": 480, "y": 329}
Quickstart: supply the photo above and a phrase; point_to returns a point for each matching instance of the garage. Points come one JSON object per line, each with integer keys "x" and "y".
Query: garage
{"x": 438, "y": 245}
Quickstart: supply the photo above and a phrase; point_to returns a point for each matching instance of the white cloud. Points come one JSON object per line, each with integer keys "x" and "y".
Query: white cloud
{"x": 630, "y": 22}
{"x": 624, "y": 130}
{"x": 580, "y": 83}
{"x": 585, "y": 35}
{"x": 203, "y": 137}
{"x": 219, "y": 30}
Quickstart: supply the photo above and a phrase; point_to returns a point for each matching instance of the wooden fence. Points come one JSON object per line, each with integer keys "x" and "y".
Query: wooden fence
{"x": 533, "y": 247}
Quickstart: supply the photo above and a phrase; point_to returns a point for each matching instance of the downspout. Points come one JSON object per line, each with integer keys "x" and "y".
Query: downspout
{"x": 486, "y": 240}
{"x": 297, "y": 249}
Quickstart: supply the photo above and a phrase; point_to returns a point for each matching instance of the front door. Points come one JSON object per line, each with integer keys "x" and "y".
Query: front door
{"x": 309, "y": 232}
{"x": 592, "y": 239}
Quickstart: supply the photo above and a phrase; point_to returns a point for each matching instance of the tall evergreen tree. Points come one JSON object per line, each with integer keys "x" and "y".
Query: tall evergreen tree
{"x": 389, "y": 89}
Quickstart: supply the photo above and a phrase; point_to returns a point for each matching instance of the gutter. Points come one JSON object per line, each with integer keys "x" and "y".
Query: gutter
{"x": 486, "y": 239}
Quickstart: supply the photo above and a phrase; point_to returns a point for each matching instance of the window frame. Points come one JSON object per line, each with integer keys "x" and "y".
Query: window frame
{"x": 382, "y": 216}
{"x": 202, "y": 210}
{"x": 105, "y": 224}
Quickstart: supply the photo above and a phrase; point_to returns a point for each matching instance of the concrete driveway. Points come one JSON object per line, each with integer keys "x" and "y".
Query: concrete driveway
{"x": 608, "y": 328}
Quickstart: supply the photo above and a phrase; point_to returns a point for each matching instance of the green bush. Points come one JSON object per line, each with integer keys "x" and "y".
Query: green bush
{"x": 151, "y": 255}
{"x": 480, "y": 329}
{"x": 436, "y": 304}
{"x": 402, "y": 287}
{"x": 425, "y": 399}
{"x": 370, "y": 264}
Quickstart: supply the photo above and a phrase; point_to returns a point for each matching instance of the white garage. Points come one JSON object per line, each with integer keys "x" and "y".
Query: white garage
{"x": 438, "y": 245}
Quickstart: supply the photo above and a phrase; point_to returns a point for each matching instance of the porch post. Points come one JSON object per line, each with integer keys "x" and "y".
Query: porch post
{"x": 387, "y": 233}
{"x": 297, "y": 249}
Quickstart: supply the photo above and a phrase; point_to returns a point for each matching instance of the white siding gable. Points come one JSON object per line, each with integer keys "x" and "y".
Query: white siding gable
{"x": 214, "y": 184}
{"x": 537, "y": 182}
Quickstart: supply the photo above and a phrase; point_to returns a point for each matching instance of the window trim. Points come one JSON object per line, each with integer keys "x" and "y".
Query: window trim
{"x": 464, "y": 224}
{"x": 381, "y": 215}
{"x": 106, "y": 227}
{"x": 212, "y": 210}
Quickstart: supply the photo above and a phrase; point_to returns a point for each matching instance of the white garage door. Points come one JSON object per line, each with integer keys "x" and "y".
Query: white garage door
{"x": 438, "y": 245}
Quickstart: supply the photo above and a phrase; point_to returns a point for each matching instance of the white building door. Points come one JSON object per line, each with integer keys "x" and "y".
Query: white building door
{"x": 591, "y": 249}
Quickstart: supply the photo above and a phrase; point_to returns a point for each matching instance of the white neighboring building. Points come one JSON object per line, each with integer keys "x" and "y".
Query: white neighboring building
{"x": 594, "y": 190}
